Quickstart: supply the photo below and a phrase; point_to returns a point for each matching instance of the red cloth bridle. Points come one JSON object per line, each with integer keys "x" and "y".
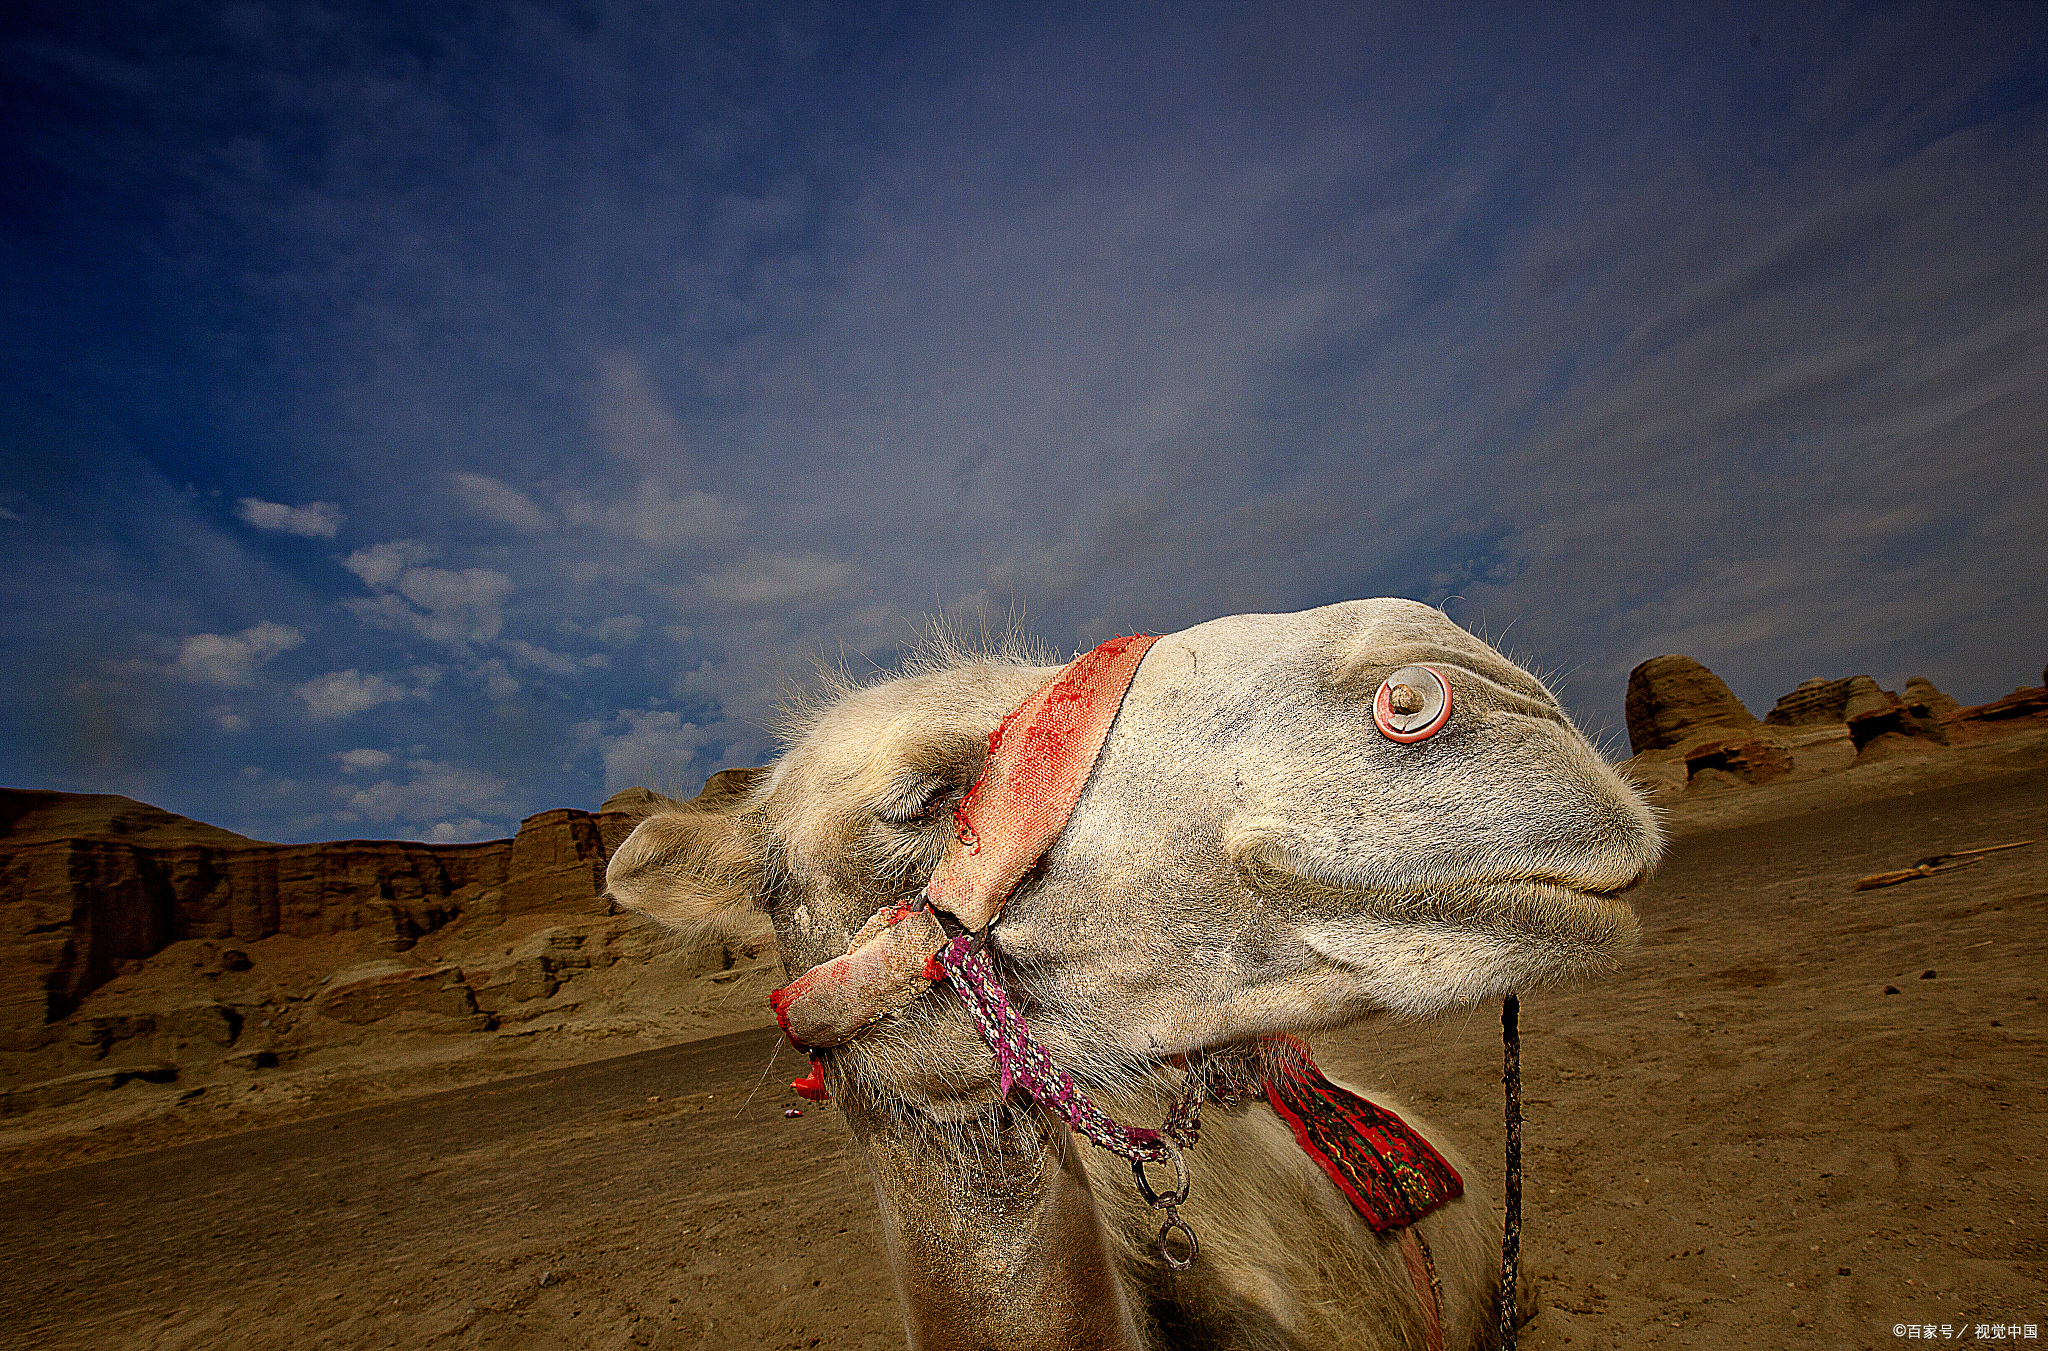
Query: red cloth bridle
{"x": 1039, "y": 759}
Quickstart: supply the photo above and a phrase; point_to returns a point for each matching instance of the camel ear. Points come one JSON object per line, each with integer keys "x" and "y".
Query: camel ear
{"x": 693, "y": 869}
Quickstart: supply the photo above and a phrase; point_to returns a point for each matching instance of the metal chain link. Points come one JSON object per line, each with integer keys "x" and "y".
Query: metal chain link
{"x": 1022, "y": 1060}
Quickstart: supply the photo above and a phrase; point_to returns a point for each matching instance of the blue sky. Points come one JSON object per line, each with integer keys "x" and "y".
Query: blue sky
{"x": 414, "y": 422}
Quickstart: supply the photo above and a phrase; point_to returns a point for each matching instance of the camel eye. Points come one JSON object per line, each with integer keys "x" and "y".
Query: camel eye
{"x": 1413, "y": 703}
{"x": 917, "y": 803}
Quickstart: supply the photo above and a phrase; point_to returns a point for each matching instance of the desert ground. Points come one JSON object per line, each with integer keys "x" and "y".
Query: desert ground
{"x": 1802, "y": 1115}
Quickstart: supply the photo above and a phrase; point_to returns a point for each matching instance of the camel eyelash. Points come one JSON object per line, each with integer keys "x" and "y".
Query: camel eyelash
{"x": 916, "y": 804}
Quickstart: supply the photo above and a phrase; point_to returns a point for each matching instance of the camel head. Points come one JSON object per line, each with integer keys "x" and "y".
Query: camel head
{"x": 1252, "y": 854}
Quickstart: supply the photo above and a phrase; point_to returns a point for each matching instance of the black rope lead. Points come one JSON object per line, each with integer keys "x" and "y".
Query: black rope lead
{"x": 1511, "y": 1234}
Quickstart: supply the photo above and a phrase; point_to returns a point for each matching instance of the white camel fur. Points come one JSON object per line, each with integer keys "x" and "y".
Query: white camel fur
{"x": 1250, "y": 857}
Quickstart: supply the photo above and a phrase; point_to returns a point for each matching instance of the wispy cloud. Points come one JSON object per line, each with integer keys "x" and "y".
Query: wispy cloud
{"x": 457, "y": 607}
{"x": 341, "y": 693}
{"x": 232, "y": 659}
{"x": 645, "y": 747}
{"x": 778, "y": 579}
{"x": 554, "y": 663}
{"x": 446, "y": 801}
{"x": 500, "y": 502}
{"x": 315, "y": 520}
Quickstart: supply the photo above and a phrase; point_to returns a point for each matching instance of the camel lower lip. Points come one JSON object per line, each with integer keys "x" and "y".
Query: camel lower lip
{"x": 1522, "y": 931}
{"x": 1489, "y": 903}
{"x": 1424, "y": 951}
{"x": 1478, "y": 903}
{"x": 1556, "y": 917}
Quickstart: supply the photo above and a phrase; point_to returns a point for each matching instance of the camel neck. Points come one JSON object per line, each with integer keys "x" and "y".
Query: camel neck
{"x": 994, "y": 1233}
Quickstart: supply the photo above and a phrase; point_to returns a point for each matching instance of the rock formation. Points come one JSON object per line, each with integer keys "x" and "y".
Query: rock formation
{"x": 2026, "y": 706}
{"x": 1672, "y": 699}
{"x": 1686, "y": 725}
{"x": 1867, "y": 711}
{"x": 91, "y": 884}
{"x": 1923, "y": 700}
{"x": 88, "y": 883}
{"x": 1688, "y": 731}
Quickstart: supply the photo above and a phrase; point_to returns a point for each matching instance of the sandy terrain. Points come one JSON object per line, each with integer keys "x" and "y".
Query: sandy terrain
{"x": 1802, "y": 1116}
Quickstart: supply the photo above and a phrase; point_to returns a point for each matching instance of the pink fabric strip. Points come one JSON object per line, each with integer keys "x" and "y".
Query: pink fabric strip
{"x": 829, "y": 1004}
{"x": 1038, "y": 761}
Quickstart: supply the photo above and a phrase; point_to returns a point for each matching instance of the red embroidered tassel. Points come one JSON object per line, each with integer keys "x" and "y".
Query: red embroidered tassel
{"x": 812, "y": 1085}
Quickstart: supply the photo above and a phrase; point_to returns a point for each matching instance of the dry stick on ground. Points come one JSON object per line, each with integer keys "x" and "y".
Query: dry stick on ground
{"x": 1932, "y": 864}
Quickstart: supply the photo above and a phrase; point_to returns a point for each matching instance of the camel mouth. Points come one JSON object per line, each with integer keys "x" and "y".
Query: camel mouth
{"x": 1560, "y": 918}
{"x": 1425, "y": 947}
{"x": 1532, "y": 910}
{"x": 1511, "y": 904}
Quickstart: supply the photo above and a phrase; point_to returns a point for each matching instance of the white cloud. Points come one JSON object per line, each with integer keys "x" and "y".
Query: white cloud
{"x": 620, "y": 630}
{"x": 554, "y": 663}
{"x": 636, "y": 430}
{"x": 381, "y": 564}
{"x": 232, "y": 659}
{"x": 648, "y": 747}
{"x": 658, "y": 515}
{"x": 446, "y": 605}
{"x": 227, "y": 719}
{"x": 465, "y": 606}
{"x": 436, "y": 794}
{"x": 362, "y": 758}
{"x": 315, "y": 520}
{"x": 386, "y": 611}
{"x": 500, "y": 502}
{"x": 497, "y": 678}
{"x": 631, "y": 422}
{"x": 765, "y": 579}
{"x": 340, "y": 693}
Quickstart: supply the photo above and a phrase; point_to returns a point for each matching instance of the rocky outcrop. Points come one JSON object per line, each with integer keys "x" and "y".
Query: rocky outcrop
{"x": 1747, "y": 759}
{"x": 140, "y": 947}
{"x": 71, "y": 1088}
{"x": 439, "y": 994}
{"x": 557, "y": 855}
{"x": 1689, "y": 732}
{"x": 1858, "y": 704}
{"x": 167, "y": 1031}
{"x": 1673, "y": 700}
{"x": 91, "y": 884}
{"x": 1923, "y": 700}
{"x": 76, "y": 906}
{"x": 2024, "y": 707}
{"x": 1686, "y": 726}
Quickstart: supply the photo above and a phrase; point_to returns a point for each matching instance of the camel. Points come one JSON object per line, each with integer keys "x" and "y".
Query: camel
{"x": 1256, "y": 853}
